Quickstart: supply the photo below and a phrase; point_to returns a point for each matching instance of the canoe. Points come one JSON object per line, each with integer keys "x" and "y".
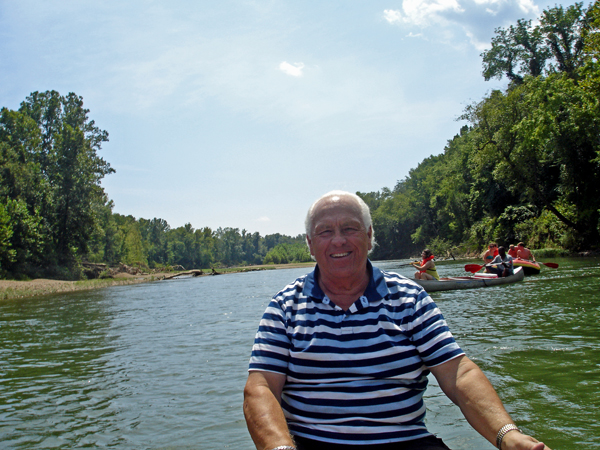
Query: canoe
{"x": 529, "y": 267}
{"x": 474, "y": 282}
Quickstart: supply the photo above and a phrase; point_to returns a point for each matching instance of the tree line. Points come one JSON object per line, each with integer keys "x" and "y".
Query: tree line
{"x": 54, "y": 213}
{"x": 526, "y": 167}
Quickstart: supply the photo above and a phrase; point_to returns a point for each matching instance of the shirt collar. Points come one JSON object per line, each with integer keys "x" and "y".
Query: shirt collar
{"x": 376, "y": 289}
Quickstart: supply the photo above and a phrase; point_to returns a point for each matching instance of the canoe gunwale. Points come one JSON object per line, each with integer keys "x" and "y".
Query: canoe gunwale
{"x": 455, "y": 283}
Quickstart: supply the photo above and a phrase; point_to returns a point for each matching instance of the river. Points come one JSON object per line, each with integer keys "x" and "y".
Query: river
{"x": 162, "y": 365}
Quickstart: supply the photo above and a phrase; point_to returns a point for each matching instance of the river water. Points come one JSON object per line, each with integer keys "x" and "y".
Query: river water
{"x": 162, "y": 365}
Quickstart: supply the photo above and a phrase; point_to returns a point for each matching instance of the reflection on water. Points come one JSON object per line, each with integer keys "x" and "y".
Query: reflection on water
{"x": 163, "y": 364}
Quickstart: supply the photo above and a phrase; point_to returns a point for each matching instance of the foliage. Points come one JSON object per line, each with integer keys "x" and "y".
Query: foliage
{"x": 50, "y": 177}
{"x": 288, "y": 253}
{"x": 555, "y": 45}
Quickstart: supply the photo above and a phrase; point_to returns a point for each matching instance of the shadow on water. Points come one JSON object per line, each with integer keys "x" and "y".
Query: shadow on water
{"x": 163, "y": 364}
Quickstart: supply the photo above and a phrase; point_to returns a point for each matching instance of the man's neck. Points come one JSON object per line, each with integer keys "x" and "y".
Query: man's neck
{"x": 344, "y": 292}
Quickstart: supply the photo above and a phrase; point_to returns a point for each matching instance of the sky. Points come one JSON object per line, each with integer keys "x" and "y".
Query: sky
{"x": 240, "y": 114}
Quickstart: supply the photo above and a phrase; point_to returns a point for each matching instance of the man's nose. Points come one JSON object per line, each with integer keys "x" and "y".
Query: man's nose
{"x": 339, "y": 238}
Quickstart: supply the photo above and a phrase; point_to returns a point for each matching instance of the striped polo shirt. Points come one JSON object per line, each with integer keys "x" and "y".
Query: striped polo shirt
{"x": 357, "y": 376}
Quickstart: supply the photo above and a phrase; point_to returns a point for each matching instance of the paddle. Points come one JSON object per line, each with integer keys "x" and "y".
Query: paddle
{"x": 474, "y": 267}
{"x": 408, "y": 264}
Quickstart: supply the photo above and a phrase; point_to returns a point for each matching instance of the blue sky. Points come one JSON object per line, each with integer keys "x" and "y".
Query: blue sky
{"x": 241, "y": 113}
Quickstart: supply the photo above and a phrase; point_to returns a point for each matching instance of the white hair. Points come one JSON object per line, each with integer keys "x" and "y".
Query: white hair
{"x": 365, "y": 213}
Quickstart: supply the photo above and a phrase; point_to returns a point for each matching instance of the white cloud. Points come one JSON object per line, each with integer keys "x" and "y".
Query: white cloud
{"x": 422, "y": 12}
{"x": 294, "y": 70}
{"x": 451, "y": 21}
{"x": 392, "y": 15}
{"x": 528, "y": 7}
{"x": 479, "y": 45}
{"x": 263, "y": 219}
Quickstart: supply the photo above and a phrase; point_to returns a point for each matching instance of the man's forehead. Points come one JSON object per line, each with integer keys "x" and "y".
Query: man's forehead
{"x": 335, "y": 203}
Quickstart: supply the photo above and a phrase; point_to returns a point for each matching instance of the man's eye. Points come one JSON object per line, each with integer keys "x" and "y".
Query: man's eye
{"x": 324, "y": 233}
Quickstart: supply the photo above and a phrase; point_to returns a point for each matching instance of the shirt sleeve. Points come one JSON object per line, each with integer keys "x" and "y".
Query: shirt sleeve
{"x": 271, "y": 348}
{"x": 431, "y": 334}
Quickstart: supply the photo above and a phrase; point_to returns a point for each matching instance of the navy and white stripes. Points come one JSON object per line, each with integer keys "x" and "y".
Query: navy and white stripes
{"x": 357, "y": 376}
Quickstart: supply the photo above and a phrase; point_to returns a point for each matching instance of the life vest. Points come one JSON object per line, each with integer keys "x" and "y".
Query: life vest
{"x": 432, "y": 270}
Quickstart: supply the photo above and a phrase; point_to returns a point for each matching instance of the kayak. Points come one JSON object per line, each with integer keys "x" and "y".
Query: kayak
{"x": 470, "y": 282}
{"x": 529, "y": 267}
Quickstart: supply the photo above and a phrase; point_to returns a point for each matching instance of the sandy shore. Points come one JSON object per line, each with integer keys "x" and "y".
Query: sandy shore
{"x": 10, "y": 289}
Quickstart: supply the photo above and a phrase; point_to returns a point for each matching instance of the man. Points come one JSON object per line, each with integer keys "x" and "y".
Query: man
{"x": 512, "y": 251}
{"x": 502, "y": 265}
{"x": 524, "y": 253}
{"x": 342, "y": 355}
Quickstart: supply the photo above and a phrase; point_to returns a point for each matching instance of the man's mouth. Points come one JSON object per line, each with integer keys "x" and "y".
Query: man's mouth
{"x": 340, "y": 255}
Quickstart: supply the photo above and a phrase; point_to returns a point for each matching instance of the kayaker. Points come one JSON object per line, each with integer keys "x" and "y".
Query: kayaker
{"x": 524, "y": 253}
{"x": 502, "y": 265}
{"x": 342, "y": 355}
{"x": 490, "y": 253}
{"x": 426, "y": 270}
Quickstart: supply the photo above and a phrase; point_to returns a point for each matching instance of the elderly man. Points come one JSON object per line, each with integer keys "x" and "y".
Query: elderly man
{"x": 341, "y": 357}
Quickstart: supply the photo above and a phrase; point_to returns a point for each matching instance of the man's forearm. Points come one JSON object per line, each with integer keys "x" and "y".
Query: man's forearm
{"x": 479, "y": 402}
{"x": 264, "y": 418}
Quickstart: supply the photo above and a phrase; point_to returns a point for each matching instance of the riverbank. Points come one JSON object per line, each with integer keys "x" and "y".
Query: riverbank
{"x": 11, "y": 289}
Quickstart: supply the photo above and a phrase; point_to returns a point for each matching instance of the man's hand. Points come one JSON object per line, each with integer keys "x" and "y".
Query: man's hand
{"x": 518, "y": 441}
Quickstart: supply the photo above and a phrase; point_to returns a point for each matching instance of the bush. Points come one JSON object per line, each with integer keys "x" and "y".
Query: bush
{"x": 550, "y": 253}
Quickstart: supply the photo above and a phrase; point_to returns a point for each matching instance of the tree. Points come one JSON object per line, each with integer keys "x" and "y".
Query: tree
{"x": 516, "y": 52}
{"x": 565, "y": 30}
{"x": 556, "y": 45}
{"x": 69, "y": 163}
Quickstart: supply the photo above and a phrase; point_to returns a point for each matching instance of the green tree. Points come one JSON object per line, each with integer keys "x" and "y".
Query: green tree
{"x": 554, "y": 45}
{"x": 69, "y": 163}
{"x": 7, "y": 254}
{"x": 134, "y": 251}
{"x": 517, "y": 51}
{"x": 565, "y": 30}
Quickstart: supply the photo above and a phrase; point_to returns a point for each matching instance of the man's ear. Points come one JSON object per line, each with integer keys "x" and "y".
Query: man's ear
{"x": 309, "y": 242}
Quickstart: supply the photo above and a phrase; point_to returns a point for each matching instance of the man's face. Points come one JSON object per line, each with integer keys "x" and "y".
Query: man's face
{"x": 339, "y": 241}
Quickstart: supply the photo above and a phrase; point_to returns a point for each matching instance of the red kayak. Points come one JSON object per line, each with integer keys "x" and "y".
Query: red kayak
{"x": 529, "y": 267}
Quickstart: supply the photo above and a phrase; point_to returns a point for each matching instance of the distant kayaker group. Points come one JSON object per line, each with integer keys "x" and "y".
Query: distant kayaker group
{"x": 500, "y": 262}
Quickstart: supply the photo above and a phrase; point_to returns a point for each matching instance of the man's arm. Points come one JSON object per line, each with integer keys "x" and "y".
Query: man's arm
{"x": 264, "y": 416}
{"x": 467, "y": 386}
